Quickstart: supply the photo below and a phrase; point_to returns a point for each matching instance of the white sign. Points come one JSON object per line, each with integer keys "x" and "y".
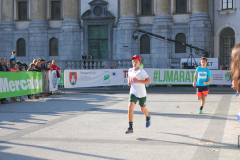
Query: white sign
{"x": 110, "y": 77}
{"x": 94, "y": 77}
{"x": 53, "y": 81}
{"x": 212, "y": 62}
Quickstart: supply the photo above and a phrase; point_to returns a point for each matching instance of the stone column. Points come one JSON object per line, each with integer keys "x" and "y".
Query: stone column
{"x": 38, "y": 36}
{"x": 162, "y": 25}
{"x": 200, "y": 25}
{"x": 70, "y": 14}
{"x": 199, "y": 6}
{"x": 38, "y": 14}
{"x": 7, "y": 27}
{"x": 126, "y": 45}
{"x": 163, "y": 12}
{"x": 70, "y": 37}
{"x": 7, "y": 12}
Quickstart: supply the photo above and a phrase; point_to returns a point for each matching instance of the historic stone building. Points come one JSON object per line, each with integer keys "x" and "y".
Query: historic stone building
{"x": 65, "y": 29}
{"x": 226, "y": 28}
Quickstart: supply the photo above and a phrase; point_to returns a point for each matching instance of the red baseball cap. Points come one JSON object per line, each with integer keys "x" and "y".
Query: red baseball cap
{"x": 136, "y": 57}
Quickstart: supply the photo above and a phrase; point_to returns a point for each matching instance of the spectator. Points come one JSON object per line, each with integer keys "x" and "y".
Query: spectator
{"x": 14, "y": 54}
{"x": 35, "y": 61}
{"x": 224, "y": 67}
{"x": 13, "y": 68}
{"x": 3, "y": 65}
{"x": 91, "y": 58}
{"x": 12, "y": 61}
{"x": 3, "y": 68}
{"x": 18, "y": 63}
{"x": 84, "y": 58}
{"x": 113, "y": 67}
{"x": 22, "y": 68}
{"x": 55, "y": 67}
{"x": 32, "y": 67}
{"x": 43, "y": 65}
{"x": 22, "y": 64}
{"x": 104, "y": 67}
{"x": 38, "y": 66}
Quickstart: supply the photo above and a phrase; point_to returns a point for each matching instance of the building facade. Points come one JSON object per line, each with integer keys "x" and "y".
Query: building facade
{"x": 65, "y": 29}
{"x": 226, "y": 29}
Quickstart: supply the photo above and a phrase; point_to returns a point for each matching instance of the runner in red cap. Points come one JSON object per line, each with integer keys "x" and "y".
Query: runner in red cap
{"x": 137, "y": 78}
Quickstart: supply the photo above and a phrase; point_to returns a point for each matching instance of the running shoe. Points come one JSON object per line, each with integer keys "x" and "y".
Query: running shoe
{"x": 130, "y": 130}
{"x": 200, "y": 111}
{"x": 237, "y": 94}
{"x": 148, "y": 122}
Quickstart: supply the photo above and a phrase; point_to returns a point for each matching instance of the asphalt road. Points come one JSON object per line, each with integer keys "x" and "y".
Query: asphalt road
{"x": 90, "y": 123}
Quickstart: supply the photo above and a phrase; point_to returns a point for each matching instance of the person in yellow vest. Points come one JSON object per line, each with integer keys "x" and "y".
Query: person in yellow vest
{"x": 141, "y": 65}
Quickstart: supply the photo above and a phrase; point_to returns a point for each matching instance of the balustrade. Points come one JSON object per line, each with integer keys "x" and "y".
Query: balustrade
{"x": 94, "y": 64}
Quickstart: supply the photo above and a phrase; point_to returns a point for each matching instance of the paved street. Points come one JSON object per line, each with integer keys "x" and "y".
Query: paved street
{"x": 90, "y": 124}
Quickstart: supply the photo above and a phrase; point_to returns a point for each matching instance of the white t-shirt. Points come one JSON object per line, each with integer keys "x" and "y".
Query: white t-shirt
{"x": 138, "y": 89}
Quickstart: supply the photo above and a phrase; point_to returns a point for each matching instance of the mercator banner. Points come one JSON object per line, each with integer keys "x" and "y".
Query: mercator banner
{"x": 14, "y": 84}
{"x": 110, "y": 77}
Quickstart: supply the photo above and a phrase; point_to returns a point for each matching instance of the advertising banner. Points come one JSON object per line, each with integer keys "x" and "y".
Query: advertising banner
{"x": 185, "y": 76}
{"x": 94, "y": 77}
{"x": 53, "y": 81}
{"x": 110, "y": 77}
{"x": 61, "y": 80}
{"x": 212, "y": 62}
{"x": 14, "y": 84}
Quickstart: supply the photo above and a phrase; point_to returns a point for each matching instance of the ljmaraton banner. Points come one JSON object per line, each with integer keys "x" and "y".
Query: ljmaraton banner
{"x": 14, "y": 84}
{"x": 110, "y": 77}
{"x": 185, "y": 76}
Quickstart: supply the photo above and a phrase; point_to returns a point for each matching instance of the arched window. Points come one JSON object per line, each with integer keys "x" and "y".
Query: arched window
{"x": 146, "y": 7}
{"x": 21, "y": 47}
{"x": 145, "y": 44}
{"x": 53, "y": 47}
{"x": 178, "y": 47}
{"x": 181, "y": 6}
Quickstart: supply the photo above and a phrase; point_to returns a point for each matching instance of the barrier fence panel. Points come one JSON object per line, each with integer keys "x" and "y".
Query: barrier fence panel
{"x": 45, "y": 82}
{"x": 110, "y": 77}
{"x": 14, "y": 84}
{"x": 53, "y": 81}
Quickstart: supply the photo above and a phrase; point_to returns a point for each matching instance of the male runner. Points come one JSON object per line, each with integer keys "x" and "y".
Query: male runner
{"x": 203, "y": 76}
{"x": 137, "y": 78}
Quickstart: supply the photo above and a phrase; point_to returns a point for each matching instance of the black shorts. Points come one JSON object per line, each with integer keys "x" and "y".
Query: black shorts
{"x": 202, "y": 90}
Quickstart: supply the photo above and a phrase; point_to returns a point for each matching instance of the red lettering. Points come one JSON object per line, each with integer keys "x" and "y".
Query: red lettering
{"x": 125, "y": 74}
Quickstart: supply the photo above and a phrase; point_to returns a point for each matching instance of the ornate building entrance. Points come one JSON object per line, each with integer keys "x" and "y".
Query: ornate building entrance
{"x": 98, "y": 41}
{"x": 98, "y": 30}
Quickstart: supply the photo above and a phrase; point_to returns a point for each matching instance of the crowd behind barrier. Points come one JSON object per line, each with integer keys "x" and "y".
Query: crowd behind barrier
{"x": 49, "y": 70}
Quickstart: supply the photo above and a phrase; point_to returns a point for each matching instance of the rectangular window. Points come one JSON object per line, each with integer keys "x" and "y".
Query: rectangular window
{"x": 22, "y": 10}
{"x": 227, "y": 4}
{"x": 56, "y": 10}
{"x": 181, "y": 6}
{"x": 146, "y": 7}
